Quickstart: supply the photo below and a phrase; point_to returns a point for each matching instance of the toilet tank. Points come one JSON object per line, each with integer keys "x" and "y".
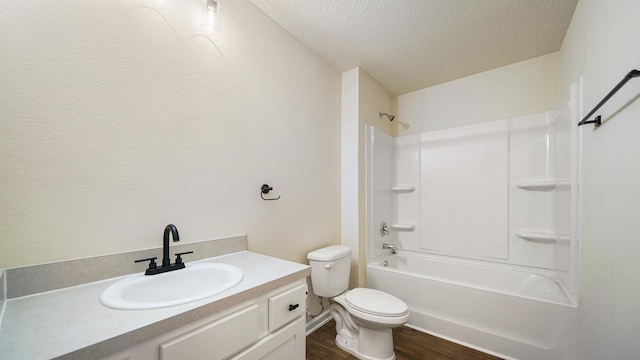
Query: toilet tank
{"x": 330, "y": 267}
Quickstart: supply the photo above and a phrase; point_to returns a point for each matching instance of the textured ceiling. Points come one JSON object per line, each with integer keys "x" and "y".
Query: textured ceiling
{"x": 412, "y": 44}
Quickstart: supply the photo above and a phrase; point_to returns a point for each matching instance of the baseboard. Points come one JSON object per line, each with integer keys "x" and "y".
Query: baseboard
{"x": 317, "y": 322}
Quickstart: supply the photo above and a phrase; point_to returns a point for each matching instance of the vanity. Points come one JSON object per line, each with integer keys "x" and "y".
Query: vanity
{"x": 261, "y": 328}
{"x": 262, "y": 317}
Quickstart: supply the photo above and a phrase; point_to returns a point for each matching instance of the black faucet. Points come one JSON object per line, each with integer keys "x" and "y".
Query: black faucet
{"x": 153, "y": 268}
{"x": 166, "y": 260}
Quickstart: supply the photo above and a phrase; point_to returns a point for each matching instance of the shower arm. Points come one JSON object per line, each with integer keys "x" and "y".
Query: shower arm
{"x": 389, "y": 116}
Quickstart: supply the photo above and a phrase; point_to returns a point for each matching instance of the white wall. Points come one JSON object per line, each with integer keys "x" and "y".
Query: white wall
{"x": 119, "y": 117}
{"x": 352, "y": 175}
{"x": 524, "y": 88}
{"x": 374, "y": 99}
{"x": 362, "y": 100}
{"x": 601, "y": 45}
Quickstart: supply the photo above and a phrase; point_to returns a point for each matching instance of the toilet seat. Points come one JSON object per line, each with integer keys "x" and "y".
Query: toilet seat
{"x": 376, "y": 302}
{"x": 374, "y": 307}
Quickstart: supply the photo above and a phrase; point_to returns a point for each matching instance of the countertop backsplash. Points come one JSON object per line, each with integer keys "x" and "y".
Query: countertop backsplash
{"x": 3, "y": 294}
{"x": 28, "y": 280}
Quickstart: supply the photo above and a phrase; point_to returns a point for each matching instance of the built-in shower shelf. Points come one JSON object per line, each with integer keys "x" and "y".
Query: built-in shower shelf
{"x": 403, "y": 227}
{"x": 541, "y": 236}
{"x": 403, "y": 189}
{"x": 542, "y": 185}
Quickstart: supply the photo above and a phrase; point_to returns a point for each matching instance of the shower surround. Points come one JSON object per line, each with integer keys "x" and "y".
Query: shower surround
{"x": 493, "y": 201}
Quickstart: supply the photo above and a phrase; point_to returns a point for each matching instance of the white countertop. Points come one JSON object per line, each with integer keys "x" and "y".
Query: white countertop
{"x": 61, "y": 322}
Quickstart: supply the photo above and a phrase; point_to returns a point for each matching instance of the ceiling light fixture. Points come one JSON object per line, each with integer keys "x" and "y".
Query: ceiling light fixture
{"x": 211, "y": 15}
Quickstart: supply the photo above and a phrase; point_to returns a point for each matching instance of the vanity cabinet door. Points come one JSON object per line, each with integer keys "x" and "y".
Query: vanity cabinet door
{"x": 288, "y": 343}
{"x": 285, "y": 351}
{"x": 217, "y": 340}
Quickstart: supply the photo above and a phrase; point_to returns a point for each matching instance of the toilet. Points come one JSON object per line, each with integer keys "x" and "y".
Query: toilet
{"x": 364, "y": 317}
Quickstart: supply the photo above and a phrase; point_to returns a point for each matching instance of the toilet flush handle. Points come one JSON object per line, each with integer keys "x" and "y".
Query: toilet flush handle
{"x": 329, "y": 266}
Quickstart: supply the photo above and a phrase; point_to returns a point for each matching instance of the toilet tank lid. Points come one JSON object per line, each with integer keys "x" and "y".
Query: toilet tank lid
{"x": 329, "y": 253}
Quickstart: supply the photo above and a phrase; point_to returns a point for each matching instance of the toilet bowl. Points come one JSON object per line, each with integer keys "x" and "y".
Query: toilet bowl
{"x": 364, "y": 317}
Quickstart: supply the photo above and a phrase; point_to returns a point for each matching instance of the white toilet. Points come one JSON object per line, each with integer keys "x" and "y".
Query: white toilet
{"x": 364, "y": 317}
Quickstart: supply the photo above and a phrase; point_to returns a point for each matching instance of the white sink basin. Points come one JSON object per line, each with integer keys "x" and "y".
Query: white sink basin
{"x": 195, "y": 282}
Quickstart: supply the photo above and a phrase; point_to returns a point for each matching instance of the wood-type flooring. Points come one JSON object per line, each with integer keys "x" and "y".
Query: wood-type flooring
{"x": 409, "y": 344}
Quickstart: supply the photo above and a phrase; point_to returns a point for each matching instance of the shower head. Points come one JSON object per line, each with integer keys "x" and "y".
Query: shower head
{"x": 389, "y": 116}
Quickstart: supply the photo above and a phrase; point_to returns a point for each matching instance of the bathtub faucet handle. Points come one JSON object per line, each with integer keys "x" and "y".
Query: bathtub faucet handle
{"x": 387, "y": 246}
{"x": 384, "y": 229}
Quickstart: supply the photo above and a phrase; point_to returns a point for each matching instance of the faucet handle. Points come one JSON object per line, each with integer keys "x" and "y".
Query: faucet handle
{"x": 152, "y": 262}
{"x": 179, "y": 256}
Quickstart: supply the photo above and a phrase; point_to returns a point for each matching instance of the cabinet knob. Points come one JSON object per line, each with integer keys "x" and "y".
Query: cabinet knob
{"x": 293, "y": 307}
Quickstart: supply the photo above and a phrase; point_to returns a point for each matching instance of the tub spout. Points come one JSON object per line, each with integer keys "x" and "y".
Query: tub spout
{"x": 387, "y": 246}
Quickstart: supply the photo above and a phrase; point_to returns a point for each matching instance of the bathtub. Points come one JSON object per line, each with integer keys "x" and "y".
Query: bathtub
{"x": 515, "y": 313}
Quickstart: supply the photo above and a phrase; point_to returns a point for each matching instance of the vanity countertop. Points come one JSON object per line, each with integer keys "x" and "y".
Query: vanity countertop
{"x": 72, "y": 323}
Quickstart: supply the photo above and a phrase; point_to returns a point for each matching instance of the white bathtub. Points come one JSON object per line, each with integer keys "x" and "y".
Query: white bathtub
{"x": 495, "y": 308}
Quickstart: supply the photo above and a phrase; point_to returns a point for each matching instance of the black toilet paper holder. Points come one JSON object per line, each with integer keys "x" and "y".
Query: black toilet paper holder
{"x": 264, "y": 189}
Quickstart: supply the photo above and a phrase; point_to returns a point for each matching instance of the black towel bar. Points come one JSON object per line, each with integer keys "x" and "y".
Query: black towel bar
{"x": 598, "y": 119}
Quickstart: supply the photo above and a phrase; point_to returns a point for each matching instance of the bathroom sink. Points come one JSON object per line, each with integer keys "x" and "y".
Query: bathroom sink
{"x": 194, "y": 282}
